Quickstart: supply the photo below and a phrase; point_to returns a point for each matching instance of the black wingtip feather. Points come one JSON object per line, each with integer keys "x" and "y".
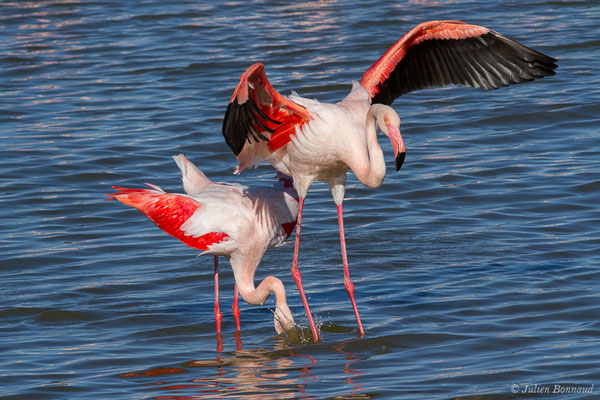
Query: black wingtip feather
{"x": 233, "y": 140}
{"x": 487, "y": 61}
{"x": 242, "y": 123}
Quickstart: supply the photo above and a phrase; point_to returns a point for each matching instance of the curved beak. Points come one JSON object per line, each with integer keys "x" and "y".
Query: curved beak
{"x": 397, "y": 144}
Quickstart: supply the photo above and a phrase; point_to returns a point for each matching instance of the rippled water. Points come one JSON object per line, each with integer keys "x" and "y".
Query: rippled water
{"x": 476, "y": 266}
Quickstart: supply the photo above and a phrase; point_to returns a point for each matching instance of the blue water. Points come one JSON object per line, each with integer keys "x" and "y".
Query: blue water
{"x": 476, "y": 266}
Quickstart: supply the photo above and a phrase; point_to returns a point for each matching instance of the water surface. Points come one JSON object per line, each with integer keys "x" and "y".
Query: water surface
{"x": 475, "y": 266}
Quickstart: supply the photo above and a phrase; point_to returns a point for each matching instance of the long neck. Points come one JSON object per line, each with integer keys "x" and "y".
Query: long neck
{"x": 269, "y": 285}
{"x": 244, "y": 266}
{"x": 371, "y": 172}
{"x": 244, "y": 279}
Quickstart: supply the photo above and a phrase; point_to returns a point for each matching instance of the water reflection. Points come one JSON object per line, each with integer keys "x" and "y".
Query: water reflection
{"x": 282, "y": 372}
{"x": 351, "y": 372}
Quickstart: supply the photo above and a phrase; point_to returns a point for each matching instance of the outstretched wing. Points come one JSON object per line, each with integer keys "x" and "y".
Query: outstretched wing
{"x": 438, "y": 53}
{"x": 258, "y": 114}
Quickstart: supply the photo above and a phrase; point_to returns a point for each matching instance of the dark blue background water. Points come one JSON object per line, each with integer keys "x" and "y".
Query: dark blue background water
{"x": 476, "y": 266}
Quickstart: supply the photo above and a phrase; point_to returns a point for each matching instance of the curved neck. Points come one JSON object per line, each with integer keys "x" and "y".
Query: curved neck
{"x": 243, "y": 272}
{"x": 371, "y": 172}
{"x": 271, "y": 285}
{"x": 283, "y": 318}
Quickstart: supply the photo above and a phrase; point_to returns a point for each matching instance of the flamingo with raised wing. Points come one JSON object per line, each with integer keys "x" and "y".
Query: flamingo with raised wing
{"x": 310, "y": 141}
{"x": 230, "y": 220}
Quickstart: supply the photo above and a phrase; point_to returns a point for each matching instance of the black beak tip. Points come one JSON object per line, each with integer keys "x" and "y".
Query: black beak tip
{"x": 400, "y": 160}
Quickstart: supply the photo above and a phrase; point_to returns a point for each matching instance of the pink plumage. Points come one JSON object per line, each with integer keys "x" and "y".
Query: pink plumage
{"x": 235, "y": 221}
{"x": 169, "y": 212}
{"x": 310, "y": 141}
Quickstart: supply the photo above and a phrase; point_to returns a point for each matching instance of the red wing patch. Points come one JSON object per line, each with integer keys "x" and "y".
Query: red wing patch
{"x": 257, "y": 112}
{"x": 203, "y": 242}
{"x": 169, "y": 212}
{"x": 288, "y": 228}
{"x": 283, "y": 133}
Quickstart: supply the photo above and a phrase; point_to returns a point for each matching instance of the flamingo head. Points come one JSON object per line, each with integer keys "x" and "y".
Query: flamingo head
{"x": 389, "y": 122}
{"x": 283, "y": 318}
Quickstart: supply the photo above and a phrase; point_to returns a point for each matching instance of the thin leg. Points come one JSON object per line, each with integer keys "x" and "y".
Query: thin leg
{"x": 347, "y": 282}
{"x": 296, "y": 272}
{"x": 218, "y": 315}
{"x": 236, "y": 308}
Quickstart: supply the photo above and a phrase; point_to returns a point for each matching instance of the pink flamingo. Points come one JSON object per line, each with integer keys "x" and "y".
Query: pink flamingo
{"x": 310, "y": 141}
{"x": 230, "y": 220}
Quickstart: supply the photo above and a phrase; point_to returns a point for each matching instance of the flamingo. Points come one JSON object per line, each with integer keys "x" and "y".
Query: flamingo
{"x": 230, "y": 220}
{"x": 310, "y": 141}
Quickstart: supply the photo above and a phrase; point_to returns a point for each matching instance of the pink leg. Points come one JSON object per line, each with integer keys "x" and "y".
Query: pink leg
{"x": 296, "y": 272}
{"x": 218, "y": 315}
{"x": 347, "y": 282}
{"x": 236, "y": 308}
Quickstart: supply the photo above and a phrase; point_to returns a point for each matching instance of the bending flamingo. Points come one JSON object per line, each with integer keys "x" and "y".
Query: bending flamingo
{"x": 309, "y": 140}
{"x": 229, "y": 220}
